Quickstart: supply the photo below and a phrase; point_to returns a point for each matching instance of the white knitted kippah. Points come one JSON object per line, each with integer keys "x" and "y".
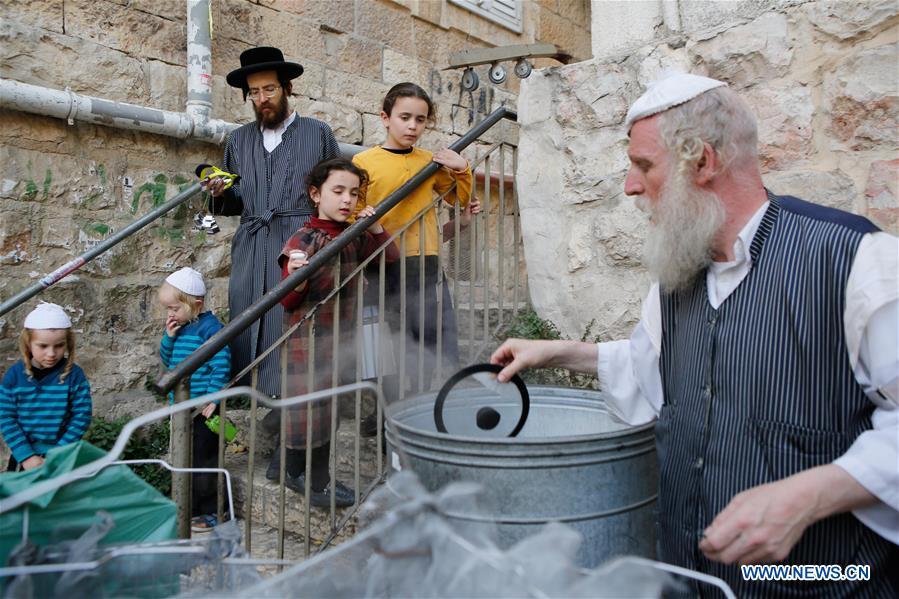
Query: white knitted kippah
{"x": 187, "y": 280}
{"x": 47, "y": 316}
{"x": 672, "y": 89}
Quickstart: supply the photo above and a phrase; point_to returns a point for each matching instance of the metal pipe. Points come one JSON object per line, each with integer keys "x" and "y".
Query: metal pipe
{"x": 245, "y": 319}
{"x": 73, "y": 265}
{"x": 181, "y": 449}
{"x": 72, "y": 107}
{"x": 199, "y": 61}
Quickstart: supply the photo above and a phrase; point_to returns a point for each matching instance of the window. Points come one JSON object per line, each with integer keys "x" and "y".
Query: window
{"x": 503, "y": 12}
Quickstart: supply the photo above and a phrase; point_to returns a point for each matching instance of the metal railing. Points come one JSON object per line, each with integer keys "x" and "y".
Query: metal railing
{"x": 73, "y": 265}
{"x": 486, "y": 275}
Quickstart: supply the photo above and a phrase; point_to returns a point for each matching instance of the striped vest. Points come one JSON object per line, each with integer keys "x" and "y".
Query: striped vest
{"x": 761, "y": 389}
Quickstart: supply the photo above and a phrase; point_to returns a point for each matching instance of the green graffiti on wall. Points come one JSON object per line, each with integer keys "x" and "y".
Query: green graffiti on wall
{"x": 48, "y": 178}
{"x": 157, "y": 190}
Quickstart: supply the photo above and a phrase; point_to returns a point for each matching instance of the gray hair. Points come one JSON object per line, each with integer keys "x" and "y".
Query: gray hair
{"x": 719, "y": 117}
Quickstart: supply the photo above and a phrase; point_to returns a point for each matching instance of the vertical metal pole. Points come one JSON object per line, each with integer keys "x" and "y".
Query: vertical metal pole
{"x": 439, "y": 291}
{"x": 500, "y": 245}
{"x": 220, "y": 478}
{"x": 486, "y": 245}
{"x": 181, "y": 449}
{"x": 403, "y": 309}
{"x": 516, "y": 224}
{"x": 307, "y": 491}
{"x": 251, "y": 465}
{"x": 376, "y": 360}
{"x": 335, "y": 381}
{"x": 382, "y": 278}
{"x": 282, "y": 447}
{"x": 472, "y": 275}
{"x": 422, "y": 327}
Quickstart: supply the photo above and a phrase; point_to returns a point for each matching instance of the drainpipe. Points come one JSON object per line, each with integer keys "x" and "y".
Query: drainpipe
{"x": 76, "y": 107}
{"x": 199, "y": 62}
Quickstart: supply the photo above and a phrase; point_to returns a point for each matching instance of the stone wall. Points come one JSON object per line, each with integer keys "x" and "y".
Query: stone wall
{"x": 821, "y": 76}
{"x": 67, "y": 187}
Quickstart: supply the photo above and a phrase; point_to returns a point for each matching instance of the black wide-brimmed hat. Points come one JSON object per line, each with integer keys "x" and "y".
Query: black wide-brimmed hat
{"x": 263, "y": 58}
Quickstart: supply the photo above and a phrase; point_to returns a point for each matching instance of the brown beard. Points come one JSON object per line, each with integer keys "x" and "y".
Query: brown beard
{"x": 274, "y": 119}
{"x": 685, "y": 222}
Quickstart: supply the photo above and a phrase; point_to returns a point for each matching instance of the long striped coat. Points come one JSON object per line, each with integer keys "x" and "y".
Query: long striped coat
{"x": 272, "y": 202}
{"x": 297, "y": 304}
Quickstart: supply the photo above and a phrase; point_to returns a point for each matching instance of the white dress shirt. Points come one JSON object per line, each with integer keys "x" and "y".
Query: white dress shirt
{"x": 271, "y": 138}
{"x": 630, "y": 376}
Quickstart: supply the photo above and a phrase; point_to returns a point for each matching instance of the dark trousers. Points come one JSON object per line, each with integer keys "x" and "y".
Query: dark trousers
{"x": 320, "y": 473}
{"x": 418, "y": 331}
{"x": 204, "y": 491}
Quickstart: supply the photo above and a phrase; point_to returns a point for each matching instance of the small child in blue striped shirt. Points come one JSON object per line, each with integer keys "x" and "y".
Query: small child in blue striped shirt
{"x": 187, "y": 327}
{"x": 45, "y": 399}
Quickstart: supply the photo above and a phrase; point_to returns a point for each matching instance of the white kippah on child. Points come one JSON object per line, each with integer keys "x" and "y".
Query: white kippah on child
{"x": 47, "y": 316}
{"x": 187, "y": 280}
{"x": 672, "y": 89}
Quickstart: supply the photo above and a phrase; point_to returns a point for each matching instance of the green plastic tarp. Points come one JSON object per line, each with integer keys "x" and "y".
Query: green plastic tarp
{"x": 139, "y": 511}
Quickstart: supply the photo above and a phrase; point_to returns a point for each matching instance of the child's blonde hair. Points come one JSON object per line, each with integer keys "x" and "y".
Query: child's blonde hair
{"x": 185, "y": 299}
{"x": 25, "y": 351}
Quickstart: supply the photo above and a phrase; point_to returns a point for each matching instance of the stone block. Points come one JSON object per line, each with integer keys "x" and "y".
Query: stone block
{"x": 863, "y": 99}
{"x": 831, "y": 187}
{"x": 126, "y": 29}
{"x": 352, "y": 54}
{"x": 45, "y": 14}
{"x": 167, "y": 85}
{"x": 226, "y": 53}
{"x": 173, "y": 10}
{"x": 358, "y": 93}
{"x": 881, "y": 194}
{"x": 570, "y": 37}
{"x": 346, "y": 123}
{"x": 620, "y": 26}
{"x": 16, "y": 234}
{"x": 372, "y": 130}
{"x": 331, "y": 15}
{"x": 785, "y": 128}
{"x": 39, "y": 57}
{"x": 385, "y": 22}
{"x": 312, "y": 82}
{"x": 576, "y": 11}
{"x": 849, "y": 20}
{"x": 705, "y": 17}
{"x": 228, "y": 103}
{"x": 398, "y": 67}
{"x": 745, "y": 54}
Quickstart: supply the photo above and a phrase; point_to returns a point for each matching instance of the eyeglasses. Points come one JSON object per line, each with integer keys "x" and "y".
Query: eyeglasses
{"x": 268, "y": 91}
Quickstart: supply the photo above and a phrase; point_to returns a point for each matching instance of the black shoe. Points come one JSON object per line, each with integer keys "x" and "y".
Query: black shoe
{"x": 369, "y": 426}
{"x": 343, "y": 496}
{"x": 273, "y": 472}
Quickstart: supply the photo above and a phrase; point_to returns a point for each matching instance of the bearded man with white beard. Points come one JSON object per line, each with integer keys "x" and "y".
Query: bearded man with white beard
{"x": 768, "y": 351}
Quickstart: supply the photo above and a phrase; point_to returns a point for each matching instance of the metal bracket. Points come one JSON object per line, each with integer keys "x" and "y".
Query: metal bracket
{"x": 478, "y": 56}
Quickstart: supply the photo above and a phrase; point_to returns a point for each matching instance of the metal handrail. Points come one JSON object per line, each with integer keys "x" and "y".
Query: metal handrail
{"x": 73, "y": 265}
{"x": 245, "y": 319}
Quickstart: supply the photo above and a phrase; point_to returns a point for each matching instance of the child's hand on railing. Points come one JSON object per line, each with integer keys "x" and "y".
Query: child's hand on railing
{"x": 208, "y": 410}
{"x": 450, "y": 159}
{"x": 298, "y": 259}
{"x": 473, "y": 207}
{"x": 375, "y": 227}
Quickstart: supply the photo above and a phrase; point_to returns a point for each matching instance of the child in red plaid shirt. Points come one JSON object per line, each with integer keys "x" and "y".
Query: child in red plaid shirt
{"x": 334, "y": 187}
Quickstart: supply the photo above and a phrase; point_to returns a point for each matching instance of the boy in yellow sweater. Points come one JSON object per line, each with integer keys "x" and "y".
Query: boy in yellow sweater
{"x": 406, "y": 112}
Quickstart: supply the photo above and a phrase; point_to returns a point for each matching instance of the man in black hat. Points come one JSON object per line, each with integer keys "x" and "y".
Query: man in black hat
{"x": 272, "y": 156}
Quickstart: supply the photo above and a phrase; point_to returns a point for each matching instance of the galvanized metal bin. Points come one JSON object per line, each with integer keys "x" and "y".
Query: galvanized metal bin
{"x": 573, "y": 462}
